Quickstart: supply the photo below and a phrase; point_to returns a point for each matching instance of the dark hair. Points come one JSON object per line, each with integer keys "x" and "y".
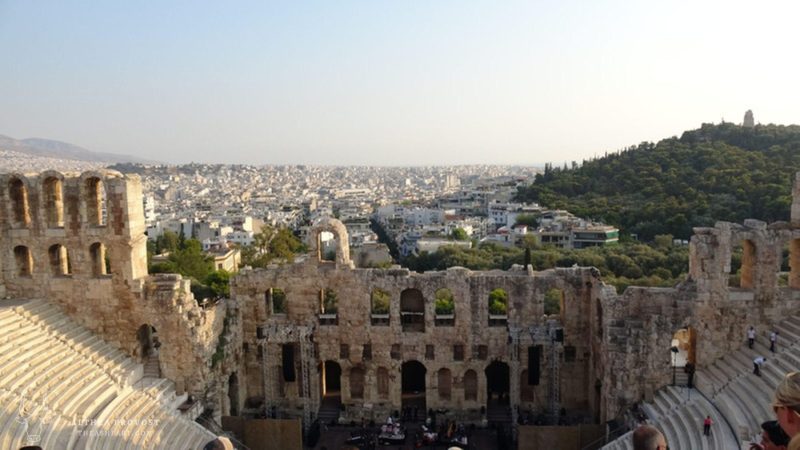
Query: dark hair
{"x": 775, "y": 432}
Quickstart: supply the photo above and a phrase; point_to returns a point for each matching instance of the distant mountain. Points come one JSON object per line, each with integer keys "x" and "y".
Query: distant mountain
{"x": 717, "y": 172}
{"x": 63, "y": 150}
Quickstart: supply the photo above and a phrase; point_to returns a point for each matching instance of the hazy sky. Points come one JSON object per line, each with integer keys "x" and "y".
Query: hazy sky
{"x": 379, "y": 82}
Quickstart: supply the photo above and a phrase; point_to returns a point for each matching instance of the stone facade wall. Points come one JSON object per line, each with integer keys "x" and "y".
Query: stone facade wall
{"x": 52, "y": 225}
{"x": 344, "y": 341}
{"x": 58, "y": 229}
{"x": 641, "y": 322}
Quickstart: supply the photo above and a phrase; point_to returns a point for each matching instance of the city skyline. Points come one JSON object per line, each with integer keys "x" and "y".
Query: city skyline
{"x": 522, "y": 83}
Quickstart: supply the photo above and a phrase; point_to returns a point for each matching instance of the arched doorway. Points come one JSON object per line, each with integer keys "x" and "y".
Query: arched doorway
{"x": 331, "y": 385}
{"x": 497, "y": 383}
{"x": 149, "y": 345}
{"x": 413, "y": 387}
{"x": 682, "y": 356}
{"x": 233, "y": 394}
{"x": 331, "y": 379}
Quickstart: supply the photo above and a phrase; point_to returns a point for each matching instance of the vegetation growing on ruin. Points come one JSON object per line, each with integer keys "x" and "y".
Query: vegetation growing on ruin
{"x": 380, "y": 301}
{"x": 717, "y": 172}
{"x": 272, "y": 245}
{"x": 660, "y": 263}
{"x": 219, "y": 353}
{"x": 445, "y": 303}
{"x": 186, "y": 257}
{"x": 552, "y": 301}
{"x": 498, "y": 302}
{"x": 329, "y": 301}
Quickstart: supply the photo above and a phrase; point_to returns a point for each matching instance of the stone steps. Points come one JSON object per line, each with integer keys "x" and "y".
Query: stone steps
{"x": 729, "y": 392}
{"x": 60, "y": 374}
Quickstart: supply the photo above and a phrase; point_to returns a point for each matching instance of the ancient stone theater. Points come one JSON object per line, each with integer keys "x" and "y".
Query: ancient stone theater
{"x": 97, "y": 353}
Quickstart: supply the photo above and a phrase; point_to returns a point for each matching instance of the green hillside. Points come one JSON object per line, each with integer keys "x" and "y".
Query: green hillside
{"x": 717, "y": 172}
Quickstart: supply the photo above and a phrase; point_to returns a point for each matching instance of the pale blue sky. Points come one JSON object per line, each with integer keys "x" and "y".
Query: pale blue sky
{"x": 380, "y": 82}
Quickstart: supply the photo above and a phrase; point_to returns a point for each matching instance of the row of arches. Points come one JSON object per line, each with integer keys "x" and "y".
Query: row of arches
{"x": 93, "y": 194}
{"x": 59, "y": 262}
{"x": 744, "y": 260}
{"x": 414, "y": 380}
{"x": 412, "y": 306}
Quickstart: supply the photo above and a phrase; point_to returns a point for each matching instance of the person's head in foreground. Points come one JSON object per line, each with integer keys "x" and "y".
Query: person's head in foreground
{"x": 647, "y": 437}
{"x": 787, "y": 403}
{"x": 787, "y": 407}
{"x": 772, "y": 437}
{"x": 220, "y": 443}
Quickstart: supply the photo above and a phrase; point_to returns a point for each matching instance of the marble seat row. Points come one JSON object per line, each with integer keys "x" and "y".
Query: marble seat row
{"x": 737, "y": 400}
{"x": 62, "y": 386}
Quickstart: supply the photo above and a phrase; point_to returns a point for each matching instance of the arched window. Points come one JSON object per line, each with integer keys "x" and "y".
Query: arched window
{"x": 99, "y": 260}
{"x": 59, "y": 260}
{"x": 20, "y": 210}
{"x": 380, "y": 301}
{"x": 233, "y": 394}
{"x": 328, "y": 307}
{"x": 357, "y": 382}
{"x": 276, "y": 301}
{"x": 328, "y": 244}
{"x": 794, "y": 264}
{"x": 498, "y": 307}
{"x": 328, "y": 301}
{"x": 95, "y": 195}
{"x": 553, "y": 301}
{"x": 445, "y": 382}
{"x": 748, "y": 263}
{"x": 444, "y": 307}
{"x": 412, "y": 310}
{"x": 22, "y": 256}
{"x": 470, "y": 385}
{"x": 53, "y": 202}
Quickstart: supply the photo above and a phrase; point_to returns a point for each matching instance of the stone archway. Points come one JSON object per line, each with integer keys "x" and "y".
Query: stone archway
{"x": 340, "y": 245}
{"x": 683, "y": 356}
{"x": 413, "y": 383}
{"x": 330, "y": 389}
{"x": 233, "y": 394}
{"x": 331, "y": 378}
{"x": 497, "y": 383}
{"x": 147, "y": 337}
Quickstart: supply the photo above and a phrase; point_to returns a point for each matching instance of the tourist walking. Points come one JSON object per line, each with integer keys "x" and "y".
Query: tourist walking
{"x": 773, "y": 340}
{"x": 707, "y": 426}
{"x": 751, "y": 337}
{"x": 757, "y": 363}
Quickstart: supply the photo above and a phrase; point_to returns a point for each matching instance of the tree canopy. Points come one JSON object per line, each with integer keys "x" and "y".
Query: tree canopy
{"x": 272, "y": 245}
{"x": 630, "y": 263}
{"x": 717, "y": 172}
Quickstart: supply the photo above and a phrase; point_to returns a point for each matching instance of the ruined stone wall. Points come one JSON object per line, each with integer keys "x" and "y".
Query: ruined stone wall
{"x": 640, "y": 323}
{"x": 435, "y": 348}
{"x": 78, "y": 240}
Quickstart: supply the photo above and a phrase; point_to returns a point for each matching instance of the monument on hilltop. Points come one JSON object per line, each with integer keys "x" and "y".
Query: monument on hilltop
{"x": 749, "y": 122}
